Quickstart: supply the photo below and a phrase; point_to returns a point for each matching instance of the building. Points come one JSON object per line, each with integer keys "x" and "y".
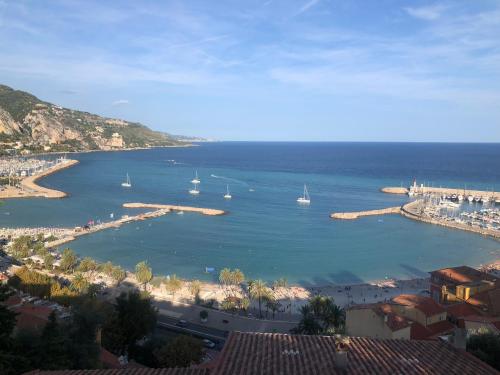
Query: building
{"x": 459, "y": 284}
{"x": 406, "y": 316}
{"x": 281, "y": 354}
{"x": 378, "y": 320}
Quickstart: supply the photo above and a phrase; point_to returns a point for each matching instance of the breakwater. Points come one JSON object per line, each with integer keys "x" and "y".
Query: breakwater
{"x": 442, "y": 191}
{"x": 356, "y": 215}
{"x": 203, "y": 211}
{"x": 415, "y": 211}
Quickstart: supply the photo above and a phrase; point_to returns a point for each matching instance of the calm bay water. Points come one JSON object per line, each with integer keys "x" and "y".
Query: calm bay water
{"x": 266, "y": 233}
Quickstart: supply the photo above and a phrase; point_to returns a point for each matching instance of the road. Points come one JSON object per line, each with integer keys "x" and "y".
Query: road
{"x": 216, "y": 335}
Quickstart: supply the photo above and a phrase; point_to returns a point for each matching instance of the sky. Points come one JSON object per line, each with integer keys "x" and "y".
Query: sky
{"x": 268, "y": 70}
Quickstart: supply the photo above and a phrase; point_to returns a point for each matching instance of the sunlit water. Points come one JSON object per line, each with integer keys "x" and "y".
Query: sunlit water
{"x": 266, "y": 233}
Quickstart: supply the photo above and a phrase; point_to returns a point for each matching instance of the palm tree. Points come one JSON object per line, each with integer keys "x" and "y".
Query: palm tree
{"x": 143, "y": 273}
{"x": 194, "y": 289}
{"x": 258, "y": 290}
{"x": 173, "y": 284}
{"x": 80, "y": 283}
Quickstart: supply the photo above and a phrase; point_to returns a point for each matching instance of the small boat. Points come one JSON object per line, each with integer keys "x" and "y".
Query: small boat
{"x": 228, "y": 194}
{"x": 127, "y": 182}
{"x": 195, "y": 180}
{"x": 111, "y": 215}
{"x": 304, "y": 199}
{"x": 460, "y": 198}
{"x": 180, "y": 213}
{"x": 470, "y": 198}
{"x": 194, "y": 190}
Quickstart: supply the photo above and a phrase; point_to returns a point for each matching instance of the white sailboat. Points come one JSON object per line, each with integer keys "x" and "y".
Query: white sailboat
{"x": 194, "y": 190}
{"x": 228, "y": 194}
{"x": 195, "y": 180}
{"x": 305, "y": 199}
{"x": 127, "y": 182}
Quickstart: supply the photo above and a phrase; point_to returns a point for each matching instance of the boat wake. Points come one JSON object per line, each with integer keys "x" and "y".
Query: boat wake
{"x": 229, "y": 179}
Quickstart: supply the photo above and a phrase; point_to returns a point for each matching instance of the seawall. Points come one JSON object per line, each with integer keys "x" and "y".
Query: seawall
{"x": 203, "y": 211}
{"x": 356, "y": 215}
{"x": 442, "y": 190}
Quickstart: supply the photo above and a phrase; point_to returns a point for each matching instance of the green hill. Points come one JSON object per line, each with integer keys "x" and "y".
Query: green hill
{"x": 28, "y": 124}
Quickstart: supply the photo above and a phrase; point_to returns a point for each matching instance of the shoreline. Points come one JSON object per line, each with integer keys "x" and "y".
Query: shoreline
{"x": 30, "y": 189}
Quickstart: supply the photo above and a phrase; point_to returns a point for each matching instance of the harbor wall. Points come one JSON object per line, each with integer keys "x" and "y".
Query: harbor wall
{"x": 356, "y": 215}
{"x": 441, "y": 191}
{"x": 204, "y": 211}
{"x": 412, "y": 211}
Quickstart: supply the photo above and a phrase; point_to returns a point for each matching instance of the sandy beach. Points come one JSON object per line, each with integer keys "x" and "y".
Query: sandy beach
{"x": 29, "y": 188}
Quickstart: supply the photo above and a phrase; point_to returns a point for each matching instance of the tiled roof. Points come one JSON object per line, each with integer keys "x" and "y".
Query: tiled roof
{"x": 425, "y": 304}
{"x": 134, "y": 371}
{"x": 394, "y": 321}
{"x": 488, "y": 301}
{"x": 32, "y": 317}
{"x": 460, "y": 310}
{"x": 271, "y": 353}
{"x": 462, "y": 275}
{"x": 432, "y": 331}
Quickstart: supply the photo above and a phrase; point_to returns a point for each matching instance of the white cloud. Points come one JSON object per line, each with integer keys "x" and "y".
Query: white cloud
{"x": 428, "y": 13}
{"x": 307, "y": 6}
{"x": 120, "y": 102}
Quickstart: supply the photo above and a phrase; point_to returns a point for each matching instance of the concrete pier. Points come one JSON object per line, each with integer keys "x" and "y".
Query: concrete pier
{"x": 443, "y": 190}
{"x": 356, "y": 215}
{"x": 203, "y": 211}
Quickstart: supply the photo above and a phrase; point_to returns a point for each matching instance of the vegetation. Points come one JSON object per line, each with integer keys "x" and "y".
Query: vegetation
{"x": 258, "y": 290}
{"x": 69, "y": 261}
{"x": 133, "y": 318}
{"x": 320, "y": 316}
{"x": 486, "y": 347}
{"x": 194, "y": 289}
{"x": 143, "y": 273}
{"x": 173, "y": 284}
{"x": 181, "y": 352}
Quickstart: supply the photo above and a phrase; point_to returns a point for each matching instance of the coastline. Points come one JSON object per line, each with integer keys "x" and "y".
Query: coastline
{"x": 30, "y": 189}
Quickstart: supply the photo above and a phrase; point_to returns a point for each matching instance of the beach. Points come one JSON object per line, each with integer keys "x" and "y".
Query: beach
{"x": 28, "y": 187}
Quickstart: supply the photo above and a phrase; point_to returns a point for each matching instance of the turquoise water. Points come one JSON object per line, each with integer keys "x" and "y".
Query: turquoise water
{"x": 266, "y": 233}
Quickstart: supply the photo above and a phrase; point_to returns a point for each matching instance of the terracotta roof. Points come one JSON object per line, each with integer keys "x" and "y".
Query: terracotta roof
{"x": 462, "y": 275}
{"x": 425, "y": 304}
{"x": 488, "y": 301}
{"x": 108, "y": 359}
{"x": 133, "y": 371}
{"x": 32, "y": 317}
{"x": 432, "y": 331}
{"x": 394, "y": 321}
{"x": 272, "y": 353}
{"x": 460, "y": 310}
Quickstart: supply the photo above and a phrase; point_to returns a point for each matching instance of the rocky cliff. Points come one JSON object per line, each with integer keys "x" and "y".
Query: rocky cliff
{"x": 28, "y": 124}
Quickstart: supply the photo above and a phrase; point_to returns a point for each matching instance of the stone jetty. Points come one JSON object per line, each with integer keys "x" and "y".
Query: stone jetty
{"x": 442, "y": 190}
{"x": 356, "y": 215}
{"x": 204, "y": 211}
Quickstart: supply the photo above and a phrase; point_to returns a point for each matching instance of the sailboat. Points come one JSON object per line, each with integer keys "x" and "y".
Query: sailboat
{"x": 305, "y": 199}
{"x": 127, "y": 182}
{"x": 228, "y": 194}
{"x": 194, "y": 190}
{"x": 196, "y": 180}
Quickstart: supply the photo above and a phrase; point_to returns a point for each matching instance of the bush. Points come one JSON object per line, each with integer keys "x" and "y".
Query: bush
{"x": 203, "y": 314}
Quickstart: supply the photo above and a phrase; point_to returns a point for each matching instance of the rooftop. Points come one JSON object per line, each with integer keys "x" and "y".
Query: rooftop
{"x": 432, "y": 331}
{"x": 394, "y": 321}
{"x": 128, "y": 371}
{"x": 272, "y": 353}
{"x": 488, "y": 301}
{"x": 425, "y": 304}
{"x": 462, "y": 275}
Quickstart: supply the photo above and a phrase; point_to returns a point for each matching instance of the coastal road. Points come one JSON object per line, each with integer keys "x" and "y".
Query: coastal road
{"x": 213, "y": 334}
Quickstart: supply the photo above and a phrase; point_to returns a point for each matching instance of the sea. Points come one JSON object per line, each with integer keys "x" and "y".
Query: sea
{"x": 265, "y": 232}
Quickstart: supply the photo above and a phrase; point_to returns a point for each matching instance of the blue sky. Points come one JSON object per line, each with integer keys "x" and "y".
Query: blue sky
{"x": 311, "y": 70}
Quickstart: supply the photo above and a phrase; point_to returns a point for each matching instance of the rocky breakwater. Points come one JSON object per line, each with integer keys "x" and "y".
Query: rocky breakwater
{"x": 394, "y": 190}
{"x": 356, "y": 215}
{"x": 203, "y": 211}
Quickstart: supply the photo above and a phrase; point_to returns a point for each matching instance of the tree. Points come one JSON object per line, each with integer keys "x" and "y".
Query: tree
{"x": 80, "y": 283}
{"x": 258, "y": 290}
{"x": 10, "y": 361}
{"x": 280, "y": 283}
{"x": 69, "y": 261}
{"x": 106, "y": 268}
{"x": 203, "y": 315}
{"x": 173, "y": 284}
{"x": 88, "y": 264}
{"x": 48, "y": 261}
{"x": 183, "y": 351}
{"x": 7, "y": 318}
{"x": 486, "y": 347}
{"x": 320, "y": 316}
{"x": 225, "y": 276}
{"x": 194, "y": 289}
{"x": 118, "y": 274}
{"x": 133, "y": 318}
{"x": 53, "y": 346}
{"x": 21, "y": 247}
{"x": 143, "y": 273}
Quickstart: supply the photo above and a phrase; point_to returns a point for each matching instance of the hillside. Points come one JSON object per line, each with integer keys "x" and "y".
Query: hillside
{"x": 28, "y": 124}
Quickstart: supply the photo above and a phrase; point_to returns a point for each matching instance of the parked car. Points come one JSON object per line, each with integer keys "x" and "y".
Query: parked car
{"x": 182, "y": 323}
{"x": 208, "y": 343}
